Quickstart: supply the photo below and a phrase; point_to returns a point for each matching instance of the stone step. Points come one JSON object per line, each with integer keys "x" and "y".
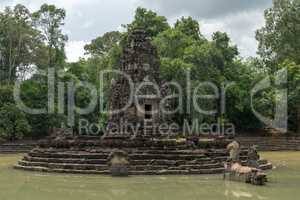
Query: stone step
{"x": 106, "y": 172}
{"x": 134, "y": 162}
{"x": 176, "y": 152}
{"x": 13, "y": 151}
{"x": 148, "y": 167}
{"x": 217, "y": 153}
{"x": 15, "y": 148}
{"x": 45, "y": 169}
{"x": 67, "y": 155}
{"x": 134, "y": 151}
{"x": 183, "y": 167}
{"x": 105, "y": 155}
{"x": 204, "y": 166}
{"x": 179, "y": 172}
{"x": 173, "y": 162}
{"x": 65, "y": 165}
{"x": 99, "y": 167}
{"x": 63, "y": 160}
{"x": 224, "y": 158}
{"x": 224, "y": 153}
{"x": 137, "y": 170}
{"x": 166, "y": 156}
{"x": 134, "y": 169}
{"x": 272, "y": 143}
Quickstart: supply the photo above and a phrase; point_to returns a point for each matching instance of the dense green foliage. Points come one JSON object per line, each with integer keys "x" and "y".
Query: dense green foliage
{"x": 279, "y": 38}
{"x": 35, "y": 41}
{"x": 279, "y": 47}
{"x": 13, "y": 123}
{"x": 150, "y": 21}
{"x": 18, "y": 44}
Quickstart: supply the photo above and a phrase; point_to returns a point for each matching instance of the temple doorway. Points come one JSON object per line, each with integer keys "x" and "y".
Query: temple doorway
{"x": 148, "y": 111}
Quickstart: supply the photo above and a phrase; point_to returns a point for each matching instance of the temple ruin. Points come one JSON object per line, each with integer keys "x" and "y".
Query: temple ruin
{"x": 139, "y": 155}
{"x": 142, "y": 95}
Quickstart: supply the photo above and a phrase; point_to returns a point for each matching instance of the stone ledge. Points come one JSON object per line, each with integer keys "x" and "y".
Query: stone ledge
{"x": 106, "y": 172}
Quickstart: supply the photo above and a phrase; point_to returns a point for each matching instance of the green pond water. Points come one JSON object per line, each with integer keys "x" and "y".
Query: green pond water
{"x": 19, "y": 185}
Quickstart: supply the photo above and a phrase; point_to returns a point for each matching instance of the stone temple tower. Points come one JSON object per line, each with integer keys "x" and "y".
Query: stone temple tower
{"x": 139, "y": 101}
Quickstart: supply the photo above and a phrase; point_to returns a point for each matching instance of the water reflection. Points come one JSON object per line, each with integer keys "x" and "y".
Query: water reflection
{"x": 234, "y": 190}
{"x": 19, "y": 185}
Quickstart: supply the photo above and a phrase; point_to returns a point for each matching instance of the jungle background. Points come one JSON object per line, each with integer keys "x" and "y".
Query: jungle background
{"x": 33, "y": 41}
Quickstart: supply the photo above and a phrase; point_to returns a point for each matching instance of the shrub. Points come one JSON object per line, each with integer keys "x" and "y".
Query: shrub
{"x": 13, "y": 123}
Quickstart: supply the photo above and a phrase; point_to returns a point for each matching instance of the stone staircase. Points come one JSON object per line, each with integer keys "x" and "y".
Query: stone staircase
{"x": 157, "y": 161}
{"x": 16, "y": 147}
{"x": 272, "y": 143}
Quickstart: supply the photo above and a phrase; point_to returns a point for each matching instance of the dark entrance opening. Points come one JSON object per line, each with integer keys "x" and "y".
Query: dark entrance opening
{"x": 148, "y": 111}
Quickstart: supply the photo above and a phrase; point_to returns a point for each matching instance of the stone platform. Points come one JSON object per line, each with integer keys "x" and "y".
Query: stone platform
{"x": 279, "y": 143}
{"x": 146, "y": 158}
{"x": 17, "y": 147}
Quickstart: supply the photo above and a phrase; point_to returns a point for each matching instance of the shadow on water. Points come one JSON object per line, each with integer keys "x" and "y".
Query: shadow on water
{"x": 19, "y": 185}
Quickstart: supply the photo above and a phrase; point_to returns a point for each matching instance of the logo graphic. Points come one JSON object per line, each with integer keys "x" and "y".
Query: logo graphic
{"x": 280, "y": 120}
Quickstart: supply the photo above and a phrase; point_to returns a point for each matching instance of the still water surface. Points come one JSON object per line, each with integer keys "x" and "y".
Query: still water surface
{"x": 18, "y": 185}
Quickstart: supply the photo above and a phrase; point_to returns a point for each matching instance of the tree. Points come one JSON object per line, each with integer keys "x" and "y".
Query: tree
{"x": 206, "y": 61}
{"x": 102, "y": 45}
{"x": 6, "y": 95}
{"x": 279, "y": 47}
{"x": 49, "y": 20}
{"x": 279, "y": 38}
{"x": 293, "y": 86}
{"x": 149, "y": 21}
{"x": 244, "y": 74}
{"x": 172, "y": 43}
{"x": 34, "y": 94}
{"x": 189, "y": 27}
{"x": 222, "y": 43}
{"x": 18, "y": 41}
{"x": 184, "y": 48}
{"x": 13, "y": 123}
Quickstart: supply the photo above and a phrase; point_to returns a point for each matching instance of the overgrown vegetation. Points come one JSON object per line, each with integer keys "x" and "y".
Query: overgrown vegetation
{"x": 34, "y": 41}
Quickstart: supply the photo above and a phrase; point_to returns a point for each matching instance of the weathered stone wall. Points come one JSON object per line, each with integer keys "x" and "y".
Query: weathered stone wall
{"x": 272, "y": 143}
{"x": 141, "y": 63}
{"x": 18, "y": 147}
